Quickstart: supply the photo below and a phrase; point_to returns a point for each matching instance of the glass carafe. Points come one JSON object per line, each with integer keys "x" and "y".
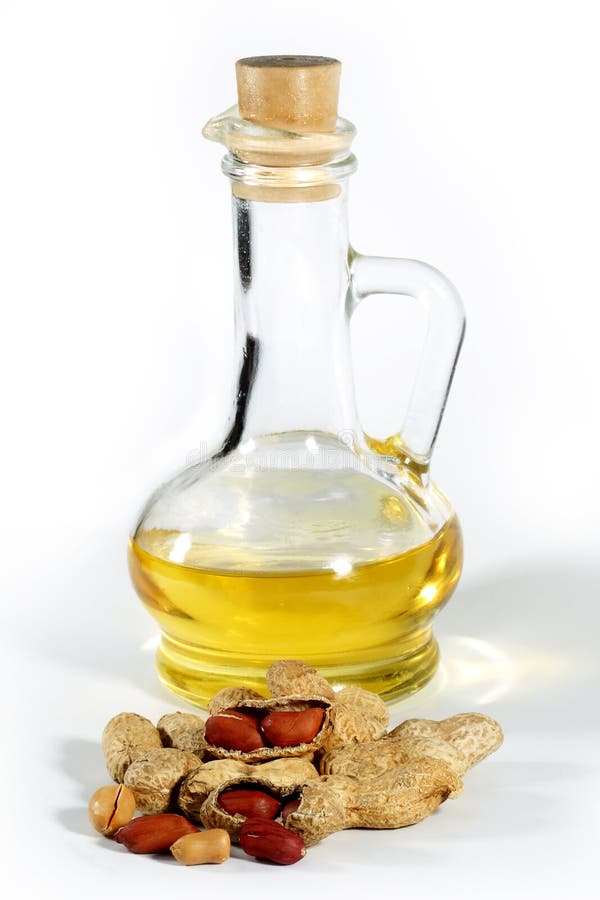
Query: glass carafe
{"x": 301, "y": 536}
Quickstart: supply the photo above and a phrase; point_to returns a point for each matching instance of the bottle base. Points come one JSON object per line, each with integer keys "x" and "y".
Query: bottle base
{"x": 197, "y": 680}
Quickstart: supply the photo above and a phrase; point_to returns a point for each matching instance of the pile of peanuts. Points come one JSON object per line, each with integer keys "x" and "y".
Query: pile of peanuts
{"x": 278, "y": 774}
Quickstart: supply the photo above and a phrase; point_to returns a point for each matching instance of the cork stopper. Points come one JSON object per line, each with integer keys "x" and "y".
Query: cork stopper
{"x": 293, "y": 93}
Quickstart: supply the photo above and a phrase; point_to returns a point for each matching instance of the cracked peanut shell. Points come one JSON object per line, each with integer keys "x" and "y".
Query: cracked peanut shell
{"x": 291, "y": 676}
{"x": 281, "y": 773}
{"x": 212, "y": 814}
{"x": 232, "y": 698}
{"x": 292, "y": 703}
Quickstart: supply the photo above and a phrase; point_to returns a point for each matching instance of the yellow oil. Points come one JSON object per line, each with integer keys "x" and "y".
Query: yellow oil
{"x": 367, "y": 624}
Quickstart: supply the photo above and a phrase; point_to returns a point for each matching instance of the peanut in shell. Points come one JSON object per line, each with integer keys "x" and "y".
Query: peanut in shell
{"x": 474, "y": 735}
{"x": 154, "y": 778}
{"x": 125, "y": 738}
{"x": 182, "y": 731}
{"x": 286, "y": 774}
{"x": 279, "y": 704}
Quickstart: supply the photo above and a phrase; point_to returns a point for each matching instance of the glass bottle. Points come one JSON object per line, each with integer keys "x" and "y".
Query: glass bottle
{"x": 301, "y": 536}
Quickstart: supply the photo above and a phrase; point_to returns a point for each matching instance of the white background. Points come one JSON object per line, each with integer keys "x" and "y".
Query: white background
{"x": 479, "y": 152}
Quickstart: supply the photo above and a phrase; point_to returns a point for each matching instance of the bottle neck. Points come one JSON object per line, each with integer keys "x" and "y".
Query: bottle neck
{"x": 291, "y": 282}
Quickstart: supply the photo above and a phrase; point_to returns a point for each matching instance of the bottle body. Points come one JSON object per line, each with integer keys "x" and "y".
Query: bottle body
{"x": 299, "y": 536}
{"x": 305, "y": 556}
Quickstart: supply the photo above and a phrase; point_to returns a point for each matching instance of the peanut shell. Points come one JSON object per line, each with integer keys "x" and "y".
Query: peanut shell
{"x": 474, "y": 735}
{"x": 154, "y": 777}
{"x": 359, "y": 716}
{"x": 320, "y": 813}
{"x": 397, "y": 798}
{"x": 125, "y": 738}
{"x": 291, "y": 676}
{"x": 376, "y": 757}
{"x": 262, "y": 754}
{"x": 280, "y": 773}
{"x": 402, "y": 796}
{"x": 231, "y": 698}
{"x": 212, "y": 814}
{"x": 182, "y": 731}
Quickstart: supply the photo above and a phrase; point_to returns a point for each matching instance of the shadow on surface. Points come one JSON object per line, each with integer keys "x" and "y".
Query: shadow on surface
{"x": 102, "y": 626}
{"x": 522, "y": 645}
{"x": 84, "y": 763}
{"x": 75, "y": 819}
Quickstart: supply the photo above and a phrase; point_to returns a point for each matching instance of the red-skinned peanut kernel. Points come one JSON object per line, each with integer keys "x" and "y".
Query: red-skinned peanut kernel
{"x": 250, "y": 803}
{"x": 153, "y": 834}
{"x": 290, "y": 807}
{"x": 271, "y": 841}
{"x": 234, "y": 730}
{"x": 287, "y": 729}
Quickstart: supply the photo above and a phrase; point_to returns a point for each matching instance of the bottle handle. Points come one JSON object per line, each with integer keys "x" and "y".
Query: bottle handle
{"x": 445, "y": 331}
